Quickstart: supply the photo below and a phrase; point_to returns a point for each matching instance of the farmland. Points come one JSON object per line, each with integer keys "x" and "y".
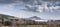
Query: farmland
{"x": 30, "y": 26}
{"x": 27, "y": 26}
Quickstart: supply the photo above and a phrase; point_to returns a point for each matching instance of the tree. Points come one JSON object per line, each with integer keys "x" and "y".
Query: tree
{"x": 2, "y": 17}
{"x": 7, "y": 23}
{"x": 17, "y": 19}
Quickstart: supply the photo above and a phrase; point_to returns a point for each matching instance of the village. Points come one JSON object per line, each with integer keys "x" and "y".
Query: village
{"x": 11, "y": 21}
{"x": 29, "y": 13}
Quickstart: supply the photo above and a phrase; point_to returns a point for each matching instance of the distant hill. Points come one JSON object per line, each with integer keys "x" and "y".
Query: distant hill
{"x": 27, "y": 21}
{"x": 6, "y": 16}
{"x": 33, "y": 18}
{"x": 31, "y": 21}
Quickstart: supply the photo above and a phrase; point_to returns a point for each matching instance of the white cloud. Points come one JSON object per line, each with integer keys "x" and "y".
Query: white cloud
{"x": 44, "y": 8}
{"x": 7, "y": 7}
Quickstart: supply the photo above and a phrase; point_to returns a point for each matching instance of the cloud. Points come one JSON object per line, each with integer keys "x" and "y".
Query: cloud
{"x": 31, "y": 8}
{"x": 11, "y": 6}
{"x": 51, "y": 0}
{"x": 7, "y": 7}
{"x": 45, "y": 7}
{"x": 6, "y": 1}
{"x": 25, "y": 1}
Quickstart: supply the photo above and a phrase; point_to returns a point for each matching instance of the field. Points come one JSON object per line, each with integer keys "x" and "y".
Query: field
{"x": 28, "y": 26}
{"x": 4, "y": 26}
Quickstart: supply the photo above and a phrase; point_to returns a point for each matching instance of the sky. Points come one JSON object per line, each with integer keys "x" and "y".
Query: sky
{"x": 25, "y": 9}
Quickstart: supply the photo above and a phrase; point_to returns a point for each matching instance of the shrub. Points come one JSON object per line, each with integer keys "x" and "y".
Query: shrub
{"x": 17, "y": 19}
{"x": 7, "y": 23}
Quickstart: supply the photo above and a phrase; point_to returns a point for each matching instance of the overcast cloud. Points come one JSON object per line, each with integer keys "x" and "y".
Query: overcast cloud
{"x": 23, "y": 9}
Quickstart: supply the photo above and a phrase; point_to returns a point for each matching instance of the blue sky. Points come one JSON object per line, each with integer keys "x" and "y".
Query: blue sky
{"x": 28, "y": 9}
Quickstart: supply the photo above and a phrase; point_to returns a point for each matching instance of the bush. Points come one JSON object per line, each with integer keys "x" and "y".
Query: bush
{"x": 17, "y": 24}
{"x": 17, "y": 19}
{"x": 7, "y": 23}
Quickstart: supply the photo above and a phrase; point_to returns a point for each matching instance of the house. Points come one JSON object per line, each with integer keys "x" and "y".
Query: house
{"x": 53, "y": 23}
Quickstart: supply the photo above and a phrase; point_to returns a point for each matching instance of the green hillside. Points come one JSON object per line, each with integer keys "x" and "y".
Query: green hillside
{"x": 6, "y": 16}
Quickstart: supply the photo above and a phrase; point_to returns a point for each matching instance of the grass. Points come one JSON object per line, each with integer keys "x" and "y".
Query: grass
{"x": 5, "y": 26}
{"x": 29, "y": 26}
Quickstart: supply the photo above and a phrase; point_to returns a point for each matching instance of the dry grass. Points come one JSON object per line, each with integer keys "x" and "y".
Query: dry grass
{"x": 29, "y": 26}
{"x": 34, "y": 26}
{"x": 5, "y": 26}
